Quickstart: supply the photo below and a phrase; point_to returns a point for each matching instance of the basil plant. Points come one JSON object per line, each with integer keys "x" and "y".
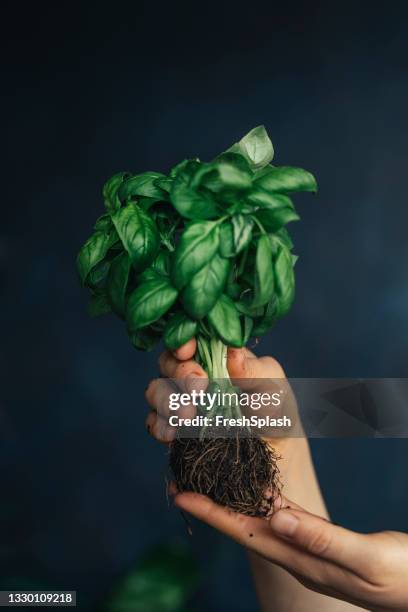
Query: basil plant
{"x": 202, "y": 251}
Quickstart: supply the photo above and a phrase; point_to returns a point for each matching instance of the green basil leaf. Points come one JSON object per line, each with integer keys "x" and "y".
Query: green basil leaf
{"x": 256, "y": 147}
{"x": 265, "y": 322}
{"x": 285, "y": 280}
{"x": 97, "y": 277}
{"x": 110, "y": 191}
{"x": 158, "y": 268}
{"x": 280, "y": 239}
{"x": 273, "y": 220}
{"x": 246, "y": 264}
{"x": 264, "y": 277}
{"x": 180, "y": 167}
{"x": 219, "y": 177}
{"x": 284, "y": 238}
{"x": 93, "y": 252}
{"x": 142, "y": 185}
{"x": 144, "y": 339}
{"x": 235, "y": 159}
{"x": 103, "y": 223}
{"x": 244, "y": 306}
{"x": 260, "y": 198}
{"x": 205, "y": 287}
{"x": 261, "y": 280}
{"x": 117, "y": 283}
{"x": 286, "y": 179}
{"x": 227, "y": 248}
{"x": 190, "y": 202}
{"x": 233, "y": 290}
{"x": 98, "y": 305}
{"x": 164, "y": 182}
{"x": 274, "y": 210}
{"x": 148, "y": 274}
{"x": 162, "y": 263}
{"x": 247, "y": 329}
{"x": 197, "y": 245}
{"x": 242, "y": 231}
{"x": 179, "y": 330}
{"x": 148, "y": 302}
{"x": 240, "y": 206}
{"x": 262, "y": 171}
{"x": 138, "y": 234}
{"x": 224, "y": 318}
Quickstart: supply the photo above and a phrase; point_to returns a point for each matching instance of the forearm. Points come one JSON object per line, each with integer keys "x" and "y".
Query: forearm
{"x": 298, "y": 476}
{"x": 276, "y": 588}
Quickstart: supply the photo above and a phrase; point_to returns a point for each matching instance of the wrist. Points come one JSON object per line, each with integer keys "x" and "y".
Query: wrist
{"x": 297, "y": 474}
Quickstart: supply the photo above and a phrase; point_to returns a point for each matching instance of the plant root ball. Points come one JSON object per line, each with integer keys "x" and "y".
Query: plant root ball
{"x": 237, "y": 472}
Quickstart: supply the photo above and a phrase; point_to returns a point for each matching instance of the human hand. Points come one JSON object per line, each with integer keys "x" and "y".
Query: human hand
{"x": 295, "y": 466}
{"x": 248, "y": 372}
{"x": 370, "y": 571}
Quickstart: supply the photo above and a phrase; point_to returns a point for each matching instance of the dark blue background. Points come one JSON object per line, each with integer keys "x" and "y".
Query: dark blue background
{"x": 92, "y": 90}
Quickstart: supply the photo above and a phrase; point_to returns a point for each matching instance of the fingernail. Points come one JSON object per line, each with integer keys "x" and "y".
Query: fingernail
{"x": 284, "y": 523}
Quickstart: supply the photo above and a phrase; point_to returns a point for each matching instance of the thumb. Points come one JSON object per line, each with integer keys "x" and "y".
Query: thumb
{"x": 242, "y": 364}
{"x": 321, "y": 538}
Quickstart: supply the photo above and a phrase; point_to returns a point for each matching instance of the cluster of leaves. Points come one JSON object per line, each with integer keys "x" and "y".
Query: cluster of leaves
{"x": 202, "y": 250}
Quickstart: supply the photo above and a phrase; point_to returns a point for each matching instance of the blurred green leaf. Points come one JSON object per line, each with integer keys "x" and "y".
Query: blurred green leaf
{"x": 163, "y": 582}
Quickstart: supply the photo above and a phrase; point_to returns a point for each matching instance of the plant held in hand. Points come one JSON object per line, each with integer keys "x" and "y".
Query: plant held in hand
{"x": 202, "y": 252}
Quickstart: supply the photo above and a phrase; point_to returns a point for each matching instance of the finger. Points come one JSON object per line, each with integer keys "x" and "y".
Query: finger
{"x": 162, "y": 431}
{"x": 159, "y": 395}
{"x": 242, "y": 364}
{"x": 256, "y": 534}
{"x": 253, "y": 533}
{"x": 172, "y": 367}
{"x": 318, "y": 573}
{"x": 187, "y": 351}
{"x": 246, "y": 530}
{"x": 321, "y": 538}
{"x": 158, "y": 428}
{"x": 282, "y": 502}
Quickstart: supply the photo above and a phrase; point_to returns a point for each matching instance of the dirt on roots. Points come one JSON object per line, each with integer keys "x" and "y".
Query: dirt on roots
{"x": 238, "y": 472}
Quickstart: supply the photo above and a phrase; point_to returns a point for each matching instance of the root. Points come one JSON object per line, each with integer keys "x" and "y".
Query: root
{"x": 238, "y": 472}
